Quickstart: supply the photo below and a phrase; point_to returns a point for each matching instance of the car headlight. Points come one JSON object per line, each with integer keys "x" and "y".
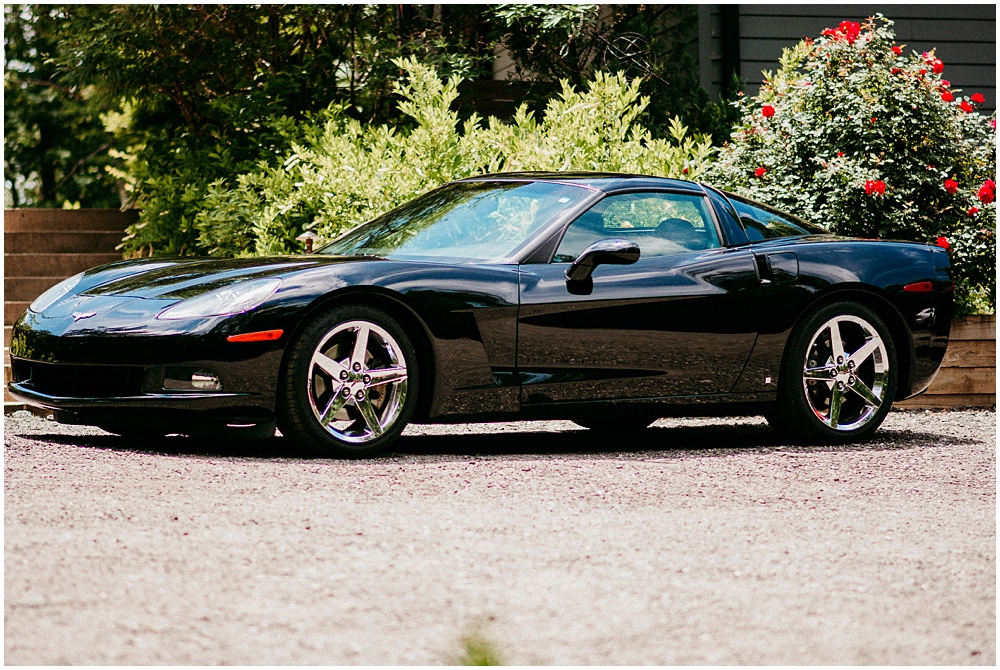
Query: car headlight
{"x": 224, "y": 301}
{"x": 46, "y": 299}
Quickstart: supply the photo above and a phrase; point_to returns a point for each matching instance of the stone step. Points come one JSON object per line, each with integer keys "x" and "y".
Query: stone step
{"x": 68, "y": 220}
{"x": 12, "y": 311}
{"x": 52, "y": 265}
{"x": 61, "y": 243}
{"x": 27, "y": 288}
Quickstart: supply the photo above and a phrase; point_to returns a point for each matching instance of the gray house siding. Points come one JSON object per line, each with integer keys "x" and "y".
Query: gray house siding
{"x": 964, "y": 35}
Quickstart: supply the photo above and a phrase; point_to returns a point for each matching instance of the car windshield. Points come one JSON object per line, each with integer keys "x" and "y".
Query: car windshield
{"x": 466, "y": 221}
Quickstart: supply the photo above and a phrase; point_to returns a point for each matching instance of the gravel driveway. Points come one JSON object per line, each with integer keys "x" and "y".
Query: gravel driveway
{"x": 700, "y": 542}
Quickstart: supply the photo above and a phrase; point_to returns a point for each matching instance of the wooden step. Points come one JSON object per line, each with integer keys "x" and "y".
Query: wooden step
{"x": 27, "y": 288}
{"x": 6, "y": 336}
{"x": 68, "y": 220}
{"x": 51, "y": 265}
{"x": 61, "y": 243}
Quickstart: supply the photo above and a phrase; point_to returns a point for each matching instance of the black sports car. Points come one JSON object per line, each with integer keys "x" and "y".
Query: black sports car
{"x": 611, "y": 300}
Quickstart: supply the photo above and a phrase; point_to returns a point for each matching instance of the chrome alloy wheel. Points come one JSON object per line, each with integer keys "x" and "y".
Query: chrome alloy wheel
{"x": 846, "y": 372}
{"x": 357, "y": 381}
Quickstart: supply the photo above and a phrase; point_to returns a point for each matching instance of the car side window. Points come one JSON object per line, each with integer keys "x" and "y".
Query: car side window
{"x": 660, "y": 223}
{"x": 763, "y": 223}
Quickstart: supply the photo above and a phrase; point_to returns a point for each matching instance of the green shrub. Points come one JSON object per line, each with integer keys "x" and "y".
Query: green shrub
{"x": 856, "y": 135}
{"x": 340, "y": 173}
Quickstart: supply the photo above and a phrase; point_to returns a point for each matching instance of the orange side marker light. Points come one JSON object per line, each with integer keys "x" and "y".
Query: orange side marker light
{"x": 261, "y": 336}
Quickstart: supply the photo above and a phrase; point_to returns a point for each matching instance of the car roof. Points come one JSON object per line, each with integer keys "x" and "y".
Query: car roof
{"x": 603, "y": 181}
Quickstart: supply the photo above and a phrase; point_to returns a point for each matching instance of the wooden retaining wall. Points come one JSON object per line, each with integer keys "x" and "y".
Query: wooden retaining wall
{"x": 968, "y": 375}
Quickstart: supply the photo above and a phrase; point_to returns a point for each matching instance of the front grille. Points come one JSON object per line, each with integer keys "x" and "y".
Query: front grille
{"x": 79, "y": 381}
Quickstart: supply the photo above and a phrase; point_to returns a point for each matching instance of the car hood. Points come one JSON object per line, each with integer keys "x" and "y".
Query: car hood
{"x": 181, "y": 278}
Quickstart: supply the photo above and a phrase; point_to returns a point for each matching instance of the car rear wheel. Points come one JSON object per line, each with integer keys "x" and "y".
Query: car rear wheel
{"x": 838, "y": 376}
{"x": 349, "y": 384}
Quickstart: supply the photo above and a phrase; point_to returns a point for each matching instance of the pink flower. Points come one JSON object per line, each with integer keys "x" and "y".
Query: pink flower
{"x": 876, "y": 187}
{"x": 767, "y": 111}
{"x": 896, "y": 50}
{"x": 978, "y": 98}
{"x": 972, "y": 211}
{"x": 943, "y": 242}
{"x": 951, "y": 186}
{"x": 759, "y": 172}
{"x": 947, "y": 96}
{"x": 966, "y": 107}
{"x": 993, "y": 124}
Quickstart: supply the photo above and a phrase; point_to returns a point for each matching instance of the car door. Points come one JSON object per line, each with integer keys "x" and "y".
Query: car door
{"x": 681, "y": 321}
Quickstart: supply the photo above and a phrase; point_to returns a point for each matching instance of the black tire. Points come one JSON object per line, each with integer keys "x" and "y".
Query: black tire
{"x": 332, "y": 399}
{"x": 823, "y": 400}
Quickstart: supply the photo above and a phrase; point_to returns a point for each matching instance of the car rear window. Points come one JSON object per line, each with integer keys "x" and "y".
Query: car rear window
{"x": 762, "y": 222}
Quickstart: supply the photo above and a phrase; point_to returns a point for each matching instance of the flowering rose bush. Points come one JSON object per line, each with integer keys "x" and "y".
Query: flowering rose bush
{"x": 858, "y": 135}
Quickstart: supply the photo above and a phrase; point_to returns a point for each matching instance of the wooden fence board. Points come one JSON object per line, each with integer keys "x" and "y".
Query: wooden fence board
{"x": 926, "y": 401}
{"x": 982, "y": 327}
{"x": 971, "y": 354}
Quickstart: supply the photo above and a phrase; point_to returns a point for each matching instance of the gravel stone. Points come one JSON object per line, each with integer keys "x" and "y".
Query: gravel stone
{"x": 697, "y": 541}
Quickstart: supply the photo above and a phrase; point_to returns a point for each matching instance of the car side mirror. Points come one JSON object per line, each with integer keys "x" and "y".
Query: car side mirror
{"x": 603, "y": 252}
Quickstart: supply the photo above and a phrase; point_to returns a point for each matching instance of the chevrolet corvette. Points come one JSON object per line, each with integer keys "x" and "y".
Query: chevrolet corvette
{"x": 609, "y": 300}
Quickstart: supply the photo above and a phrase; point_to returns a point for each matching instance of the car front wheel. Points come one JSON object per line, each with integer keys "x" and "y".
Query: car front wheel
{"x": 349, "y": 384}
{"x": 838, "y": 376}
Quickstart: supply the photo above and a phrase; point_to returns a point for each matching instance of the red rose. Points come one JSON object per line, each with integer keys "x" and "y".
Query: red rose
{"x": 972, "y": 211}
{"x": 937, "y": 65}
{"x": 873, "y": 119}
{"x": 840, "y": 154}
{"x": 943, "y": 242}
{"x": 993, "y": 124}
{"x": 978, "y": 98}
{"x": 950, "y": 185}
{"x": 759, "y": 172}
{"x": 895, "y": 70}
{"x": 896, "y": 50}
{"x": 945, "y": 84}
{"x": 987, "y": 192}
{"x": 947, "y": 96}
{"x": 767, "y": 111}
{"x": 966, "y": 107}
{"x": 850, "y": 30}
{"x": 876, "y": 187}
{"x": 829, "y": 32}
{"x": 922, "y": 72}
